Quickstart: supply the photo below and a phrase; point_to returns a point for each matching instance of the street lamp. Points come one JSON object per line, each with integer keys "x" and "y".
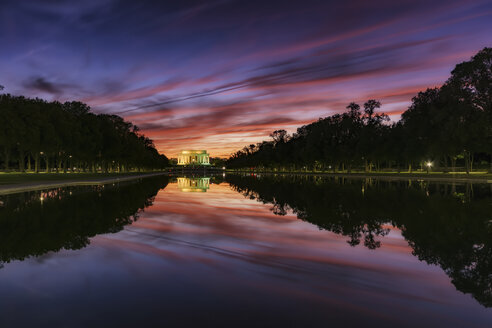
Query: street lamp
{"x": 429, "y": 165}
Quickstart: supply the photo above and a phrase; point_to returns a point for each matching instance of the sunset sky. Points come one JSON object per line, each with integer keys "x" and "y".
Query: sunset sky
{"x": 219, "y": 75}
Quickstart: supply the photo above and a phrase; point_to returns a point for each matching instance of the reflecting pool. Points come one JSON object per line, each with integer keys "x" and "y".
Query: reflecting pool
{"x": 248, "y": 251}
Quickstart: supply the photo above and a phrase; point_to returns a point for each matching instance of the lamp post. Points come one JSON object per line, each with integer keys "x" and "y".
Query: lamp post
{"x": 41, "y": 155}
{"x": 428, "y": 165}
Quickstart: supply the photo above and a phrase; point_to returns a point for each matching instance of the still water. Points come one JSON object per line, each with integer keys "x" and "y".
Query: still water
{"x": 248, "y": 251}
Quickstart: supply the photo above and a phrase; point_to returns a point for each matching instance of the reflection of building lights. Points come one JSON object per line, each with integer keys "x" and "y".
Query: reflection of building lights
{"x": 193, "y": 184}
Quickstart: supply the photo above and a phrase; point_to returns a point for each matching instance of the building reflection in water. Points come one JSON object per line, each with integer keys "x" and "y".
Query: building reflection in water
{"x": 193, "y": 184}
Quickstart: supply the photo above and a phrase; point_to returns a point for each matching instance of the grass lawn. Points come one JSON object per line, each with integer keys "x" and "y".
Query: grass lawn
{"x": 17, "y": 178}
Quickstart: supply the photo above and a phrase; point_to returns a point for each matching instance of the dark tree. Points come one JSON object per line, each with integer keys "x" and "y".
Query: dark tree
{"x": 69, "y": 136}
{"x": 447, "y": 126}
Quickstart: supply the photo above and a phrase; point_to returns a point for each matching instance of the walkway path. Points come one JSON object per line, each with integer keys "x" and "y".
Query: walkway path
{"x": 21, "y": 187}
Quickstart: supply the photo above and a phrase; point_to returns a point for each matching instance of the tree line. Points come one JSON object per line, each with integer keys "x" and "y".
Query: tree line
{"x": 39, "y": 135}
{"x": 442, "y": 127}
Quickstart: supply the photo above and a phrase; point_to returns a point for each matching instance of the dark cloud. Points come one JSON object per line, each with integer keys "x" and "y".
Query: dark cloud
{"x": 43, "y": 85}
{"x": 320, "y": 66}
{"x": 268, "y": 121}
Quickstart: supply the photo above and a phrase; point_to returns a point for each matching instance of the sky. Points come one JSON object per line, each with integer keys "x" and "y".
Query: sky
{"x": 220, "y": 75}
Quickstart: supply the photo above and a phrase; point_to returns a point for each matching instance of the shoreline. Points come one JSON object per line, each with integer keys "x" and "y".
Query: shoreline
{"x": 22, "y": 187}
{"x": 440, "y": 177}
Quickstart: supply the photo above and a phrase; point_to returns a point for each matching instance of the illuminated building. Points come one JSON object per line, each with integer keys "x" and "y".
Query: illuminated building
{"x": 193, "y": 157}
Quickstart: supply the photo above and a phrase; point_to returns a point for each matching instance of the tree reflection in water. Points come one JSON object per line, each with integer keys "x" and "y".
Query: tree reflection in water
{"x": 446, "y": 224}
{"x": 34, "y": 223}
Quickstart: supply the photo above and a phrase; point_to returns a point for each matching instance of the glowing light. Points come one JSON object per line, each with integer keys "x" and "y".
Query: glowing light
{"x": 429, "y": 164}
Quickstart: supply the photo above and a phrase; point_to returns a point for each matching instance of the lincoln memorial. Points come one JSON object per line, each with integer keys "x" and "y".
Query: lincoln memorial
{"x": 193, "y": 157}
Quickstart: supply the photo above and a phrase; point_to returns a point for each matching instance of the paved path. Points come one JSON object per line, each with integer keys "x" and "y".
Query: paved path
{"x": 21, "y": 187}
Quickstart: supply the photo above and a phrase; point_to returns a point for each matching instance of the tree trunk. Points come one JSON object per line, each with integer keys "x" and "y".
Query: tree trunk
{"x": 29, "y": 162}
{"x": 22, "y": 159}
{"x": 36, "y": 163}
{"x": 47, "y": 161}
{"x": 60, "y": 164}
{"x": 7, "y": 159}
{"x": 467, "y": 156}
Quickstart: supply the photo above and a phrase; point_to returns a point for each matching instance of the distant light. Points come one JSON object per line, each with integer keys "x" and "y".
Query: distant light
{"x": 223, "y": 167}
{"x": 429, "y": 164}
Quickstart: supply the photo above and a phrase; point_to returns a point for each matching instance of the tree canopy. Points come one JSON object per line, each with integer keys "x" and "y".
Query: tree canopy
{"x": 68, "y": 136}
{"x": 444, "y": 125}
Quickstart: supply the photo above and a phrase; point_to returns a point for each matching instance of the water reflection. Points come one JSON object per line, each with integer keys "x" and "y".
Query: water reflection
{"x": 36, "y": 222}
{"x": 221, "y": 259}
{"x": 449, "y": 225}
{"x": 193, "y": 184}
